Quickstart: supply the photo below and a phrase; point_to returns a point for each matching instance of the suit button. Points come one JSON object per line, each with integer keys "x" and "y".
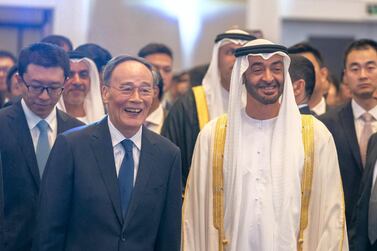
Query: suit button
{"x": 123, "y": 238}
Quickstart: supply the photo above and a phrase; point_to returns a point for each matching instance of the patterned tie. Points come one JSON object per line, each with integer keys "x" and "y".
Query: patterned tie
{"x": 126, "y": 176}
{"x": 43, "y": 146}
{"x": 365, "y": 134}
{"x": 372, "y": 216}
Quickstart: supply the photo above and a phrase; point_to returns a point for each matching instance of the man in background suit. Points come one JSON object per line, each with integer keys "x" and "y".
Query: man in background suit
{"x": 358, "y": 238}
{"x": 113, "y": 185}
{"x": 352, "y": 124}
{"x": 302, "y": 75}
{"x": 24, "y": 146}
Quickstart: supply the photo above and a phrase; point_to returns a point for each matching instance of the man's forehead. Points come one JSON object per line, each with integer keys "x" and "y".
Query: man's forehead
{"x": 79, "y": 65}
{"x": 366, "y": 54}
{"x": 259, "y": 59}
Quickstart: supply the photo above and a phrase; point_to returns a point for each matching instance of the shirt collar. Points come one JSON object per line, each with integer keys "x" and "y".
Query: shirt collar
{"x": 33, "y": 119}
{"x": 320, "y": 108}
{"x": 117, "y": 136}
{"x": 156, "y": 117}
{"x": 358, "y": 110}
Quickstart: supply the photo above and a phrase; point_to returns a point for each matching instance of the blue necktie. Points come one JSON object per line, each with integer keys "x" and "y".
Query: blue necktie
{"x": 43, "y": 146}
{"x": 126, "y": 176}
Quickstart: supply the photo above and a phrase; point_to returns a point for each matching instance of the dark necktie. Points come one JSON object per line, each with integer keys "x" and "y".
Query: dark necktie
{"x": 43, "y": 146}
{"x": 126, "y": 176}
{"x": 372, "y": 216}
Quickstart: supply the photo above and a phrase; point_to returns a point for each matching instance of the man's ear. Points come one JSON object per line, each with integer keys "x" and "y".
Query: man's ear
{"x": 298, "y": 87}
{"x": 156, "y": 91}
{"x": 105, "y": 91}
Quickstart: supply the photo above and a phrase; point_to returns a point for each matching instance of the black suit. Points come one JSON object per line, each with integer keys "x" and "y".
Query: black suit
{"x": 21, "y": 175}
{"x": 340, "y": 123}
{"x": 80, "y": 201}
{"x": 358, "y": 234}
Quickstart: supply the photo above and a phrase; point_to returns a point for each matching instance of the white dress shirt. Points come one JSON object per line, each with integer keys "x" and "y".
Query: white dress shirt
{"x": 116, "y": 139}
{"x": 359, "y": 123}
{"x": 32, "y": 121}
{"x": 155, "y": 120}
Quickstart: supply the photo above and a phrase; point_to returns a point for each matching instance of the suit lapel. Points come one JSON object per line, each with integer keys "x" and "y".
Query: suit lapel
{"x": 61, "y": 122}
{"x": 348, "y": 123}
{"x": 146, "y": 165}
{"x": 23, "y": 136}
{"x": 103, "y": 151}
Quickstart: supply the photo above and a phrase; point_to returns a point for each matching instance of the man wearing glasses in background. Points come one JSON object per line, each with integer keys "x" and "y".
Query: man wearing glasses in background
{"x": 28, "y": 130}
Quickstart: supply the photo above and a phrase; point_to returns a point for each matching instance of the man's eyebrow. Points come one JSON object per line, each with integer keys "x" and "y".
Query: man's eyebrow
{"x": 256, "y": 64}
{"x": 278, "y": 62}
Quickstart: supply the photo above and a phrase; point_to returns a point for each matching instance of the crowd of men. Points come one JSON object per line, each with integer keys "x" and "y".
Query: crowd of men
{"x": 258, "y": 150}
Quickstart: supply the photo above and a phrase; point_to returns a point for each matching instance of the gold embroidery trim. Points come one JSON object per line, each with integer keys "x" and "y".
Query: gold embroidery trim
{"x": 307, "y": 176}
{"x": 201, "y": 105}
{"x": 218, "y": 180}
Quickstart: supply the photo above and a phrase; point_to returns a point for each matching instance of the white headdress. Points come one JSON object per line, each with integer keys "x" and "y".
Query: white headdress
{"x": 93, "y": 104}
{"x": 287, "y": 154}
{"x": 216, "y": 95}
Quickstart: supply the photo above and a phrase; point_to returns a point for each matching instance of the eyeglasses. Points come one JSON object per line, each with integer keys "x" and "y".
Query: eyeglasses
{"x": 129, "y": 90}
{"x": 37, "y": 89}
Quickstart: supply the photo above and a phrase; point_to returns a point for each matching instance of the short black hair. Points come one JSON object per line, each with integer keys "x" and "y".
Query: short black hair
{"x": 10, "y": 74}
{"x": 8, "y": 54}
{"x": 58, "y": 40}
{"x": 305, "y": 47}
{"x": 302, "y": 68}
{"x": 159, "y": 84}
{"x": 154, "y": 48}
{"x": 361, "y": 44}
{"x": 113, "y": 63}
{"x": 43, "y": 54}
{"x": 95, "y": 52}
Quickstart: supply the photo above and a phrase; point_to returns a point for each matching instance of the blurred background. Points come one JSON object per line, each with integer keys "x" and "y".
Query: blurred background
{"x": 188, "y": 27}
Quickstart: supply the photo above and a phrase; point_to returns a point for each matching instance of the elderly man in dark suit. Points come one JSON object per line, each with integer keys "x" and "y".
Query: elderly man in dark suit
{"x": 352, "y": 124}
{"x": 363, "y": 233}
{"x": 113, "y": 185}
{"x": 28, "y": 129}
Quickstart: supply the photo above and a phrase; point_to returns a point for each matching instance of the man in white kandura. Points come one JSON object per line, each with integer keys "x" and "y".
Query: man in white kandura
{"x": 264, "y": 177}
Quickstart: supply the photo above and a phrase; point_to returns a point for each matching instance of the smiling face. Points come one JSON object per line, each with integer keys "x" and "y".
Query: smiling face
{"x": 78, "y": 84}
{"x": 264, "y": 79}
{"x": 361, "y": 73}
{"x": 128, "y": 109}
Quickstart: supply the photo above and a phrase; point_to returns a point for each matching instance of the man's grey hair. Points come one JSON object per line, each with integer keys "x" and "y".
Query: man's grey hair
{"x": 113, "y": 63}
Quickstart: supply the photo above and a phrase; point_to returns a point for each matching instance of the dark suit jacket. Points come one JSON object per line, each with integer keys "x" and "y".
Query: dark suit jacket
{"x": 21, "y": 176}
{"x": 358, "y": 234}
{"x": 1, "y": 207}
{"x": 340, "y": 123}
{"x": 80, "y": 206}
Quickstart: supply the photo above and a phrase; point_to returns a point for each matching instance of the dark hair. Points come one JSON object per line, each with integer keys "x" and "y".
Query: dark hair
{"x": 113, "y": 63}
{"x": 98, "y": 54}
{"x": 159, "y": 84}
{"x": 361, "y": 44}
{"x": 154, "y": 48}
{"x": 302, "y": 68}
{"x": 10, "y": 74}
{"x": 7, "y": 54}
{"x": 197, "y": 74}
{"x": 58, "y": 40}
{"x": 43, "y": 54}
{"x": 304, "y": 47}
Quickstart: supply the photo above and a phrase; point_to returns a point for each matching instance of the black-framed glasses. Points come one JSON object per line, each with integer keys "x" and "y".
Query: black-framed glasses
{"x": 38, "y": 89}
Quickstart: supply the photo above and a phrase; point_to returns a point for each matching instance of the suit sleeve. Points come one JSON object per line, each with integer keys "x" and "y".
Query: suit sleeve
{"x": 55, "y": 198}
{"x": 169, "y": 232}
